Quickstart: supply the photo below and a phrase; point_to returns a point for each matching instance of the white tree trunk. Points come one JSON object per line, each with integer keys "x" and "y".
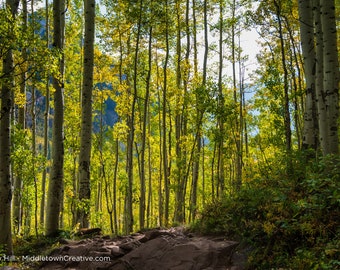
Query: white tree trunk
{"x": 320, "y": 94}
{"x": 55, "y": 189}
{"x": 308, "y": 52}
{"x": 331, "y": 73}
{"x": 86, "y": 115}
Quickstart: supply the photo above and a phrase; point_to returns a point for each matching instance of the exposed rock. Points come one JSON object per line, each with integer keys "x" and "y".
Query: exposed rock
{"x": 156, "y": 249}
{"x": 130, "y": 245}
{"x": 89, "y": 232}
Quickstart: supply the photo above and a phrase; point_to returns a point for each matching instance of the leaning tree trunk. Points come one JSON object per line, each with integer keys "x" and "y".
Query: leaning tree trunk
{"x": 86, "y": 116}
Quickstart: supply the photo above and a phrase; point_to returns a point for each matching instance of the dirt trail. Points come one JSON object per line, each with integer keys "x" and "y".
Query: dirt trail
{"x": 156, "y": 249}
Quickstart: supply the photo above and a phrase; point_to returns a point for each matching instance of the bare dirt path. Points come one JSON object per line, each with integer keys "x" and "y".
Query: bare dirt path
{"x": 156, "y": 249}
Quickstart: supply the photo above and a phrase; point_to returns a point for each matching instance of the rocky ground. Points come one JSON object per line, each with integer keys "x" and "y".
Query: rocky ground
{"x": 156, "y": 249}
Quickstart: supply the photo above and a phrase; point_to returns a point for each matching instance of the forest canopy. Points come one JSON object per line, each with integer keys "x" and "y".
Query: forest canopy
{"x": 127, "y": 115}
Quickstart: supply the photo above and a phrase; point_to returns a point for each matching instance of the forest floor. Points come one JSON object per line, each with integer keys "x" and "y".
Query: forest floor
{"x": 154, "y": 249}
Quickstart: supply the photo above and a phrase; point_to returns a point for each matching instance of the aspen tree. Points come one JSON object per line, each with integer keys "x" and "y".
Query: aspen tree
{"x": 308, "y": 51}
{"x": 18, "y": 181}
{"x": 330, "y": 74}
{"x": 55, "y": 188}
{"x": 46, "y": 126}
{"x": 86, "y": 116}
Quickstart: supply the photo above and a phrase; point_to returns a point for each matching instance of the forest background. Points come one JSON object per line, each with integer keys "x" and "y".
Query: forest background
{"x": 126, "y": 115}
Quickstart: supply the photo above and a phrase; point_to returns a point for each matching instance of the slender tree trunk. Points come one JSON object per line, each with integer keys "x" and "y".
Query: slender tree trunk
{"x": 295, "y": 71}
{"x": 142, "y": 203}
{"x": 46, "y": 124}
{"x": 18, "y": 185}
{"x": 164, "y": 122}
{"x": 194, "y": 30}
{"x": 198, "y": 139}
{"x": 102, "y": 169}
{"x": 238, "y": 127}
{"x": 109, "y": 200}
{"x": 161, "y": 164}
{"x": 220, "y": 123}
{"x": 34, "y": 156}
{"x": 55, "y": 190}
{"x": 34, "y": 128}
{"x": 161, "y": 146}
{"x": 245, "y": 125}
{"x": 150, "y": 206}
{"x": 131, "y": 134}
{"x": 241, "y": 114}
{"x": 86, "y": 117}
{"x": 74, "y": 189}
{"x": 114, "y": 204}
{"x": 213, "y": 177}
{"x": 179, "y": 202}
{"x": 287, "y": 121}
{"x": 206, "y": 43}
{"x": 295, "y": 91}
{"x": 204, "y": 80}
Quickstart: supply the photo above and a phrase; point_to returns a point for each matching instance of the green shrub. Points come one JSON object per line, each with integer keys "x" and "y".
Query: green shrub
{"x": 290, "y": 220}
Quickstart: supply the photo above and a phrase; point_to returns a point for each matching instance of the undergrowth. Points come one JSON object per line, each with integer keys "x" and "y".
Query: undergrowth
{"x": 27, "y": 249}
{"x": 290, "y": 220}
